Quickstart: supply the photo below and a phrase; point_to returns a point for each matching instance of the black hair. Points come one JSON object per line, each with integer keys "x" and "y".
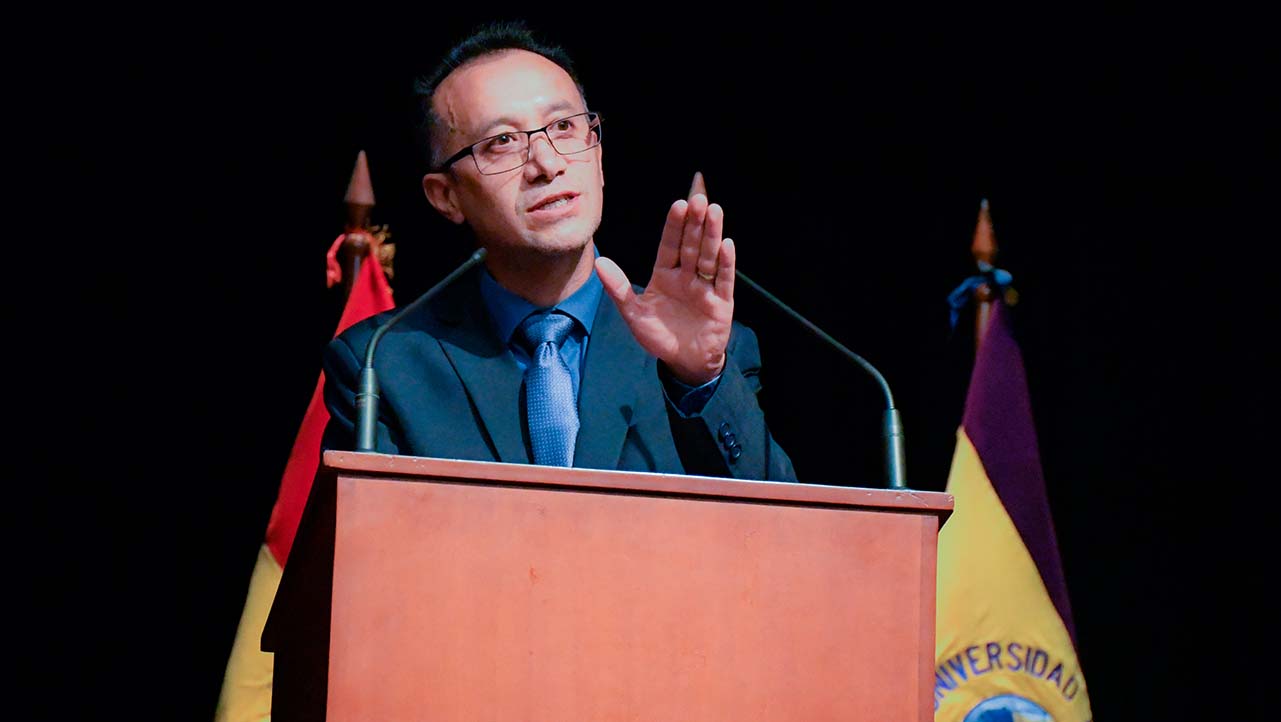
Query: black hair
{"x": 487, "y": 39}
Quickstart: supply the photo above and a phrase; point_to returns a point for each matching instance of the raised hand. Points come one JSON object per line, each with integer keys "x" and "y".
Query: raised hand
{"x": 683, "y": 317}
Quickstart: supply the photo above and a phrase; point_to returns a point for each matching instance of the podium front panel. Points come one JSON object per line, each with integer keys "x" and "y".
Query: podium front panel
{"x": 461, "y": 602}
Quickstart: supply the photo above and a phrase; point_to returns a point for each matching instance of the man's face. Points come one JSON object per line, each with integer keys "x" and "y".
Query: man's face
{"x": 515, "y": 90}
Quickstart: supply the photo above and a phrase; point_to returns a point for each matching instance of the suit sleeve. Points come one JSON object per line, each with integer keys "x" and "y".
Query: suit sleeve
{"x": 729, "y": 436}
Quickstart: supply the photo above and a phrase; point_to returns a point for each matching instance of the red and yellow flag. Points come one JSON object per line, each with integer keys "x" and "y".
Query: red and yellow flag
{"x": 1005, "y": 641}
{"x": 246, "y": 688}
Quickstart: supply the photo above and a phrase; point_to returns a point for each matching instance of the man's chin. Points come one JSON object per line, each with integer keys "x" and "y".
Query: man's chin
{"x": 542, "y": 250}
{"x": 560, "y": 242}
{"x": 561, "y": 247}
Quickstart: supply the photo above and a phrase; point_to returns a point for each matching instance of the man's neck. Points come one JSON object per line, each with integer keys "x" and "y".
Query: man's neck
{"x": 542, "y": 279}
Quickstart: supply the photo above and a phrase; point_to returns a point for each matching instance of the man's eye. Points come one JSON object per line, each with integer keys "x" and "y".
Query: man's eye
{"x": 567, "y": 128}
{"x": 501, "y": 143}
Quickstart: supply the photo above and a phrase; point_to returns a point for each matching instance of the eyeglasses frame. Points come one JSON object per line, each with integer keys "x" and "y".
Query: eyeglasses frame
{"x": 593, "y": 117}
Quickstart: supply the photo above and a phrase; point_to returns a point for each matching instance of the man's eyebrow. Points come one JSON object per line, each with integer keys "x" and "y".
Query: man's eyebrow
{"x": 509, "y": 121}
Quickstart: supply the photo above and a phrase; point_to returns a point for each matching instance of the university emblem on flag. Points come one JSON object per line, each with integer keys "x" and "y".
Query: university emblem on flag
{"x": 1008, "y": 708}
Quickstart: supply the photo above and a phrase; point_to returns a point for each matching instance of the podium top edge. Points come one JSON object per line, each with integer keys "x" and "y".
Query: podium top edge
{"x": 605, "y": 480}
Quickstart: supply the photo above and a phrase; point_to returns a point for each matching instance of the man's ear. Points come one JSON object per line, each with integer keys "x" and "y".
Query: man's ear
{"x": 439, "y": 189}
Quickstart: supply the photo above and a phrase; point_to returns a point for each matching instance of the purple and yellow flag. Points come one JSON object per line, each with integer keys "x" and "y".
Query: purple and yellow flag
{"x": 1005, "y": 641}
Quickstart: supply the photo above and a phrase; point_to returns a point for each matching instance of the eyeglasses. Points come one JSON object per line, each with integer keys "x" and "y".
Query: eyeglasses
{"x": 510, "y": 150}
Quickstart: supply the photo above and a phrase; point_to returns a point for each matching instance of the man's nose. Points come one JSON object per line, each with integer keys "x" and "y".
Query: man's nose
{"x": 543, "y": 158}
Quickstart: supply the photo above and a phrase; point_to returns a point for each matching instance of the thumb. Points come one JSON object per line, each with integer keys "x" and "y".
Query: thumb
{"x": 615, "y": 282}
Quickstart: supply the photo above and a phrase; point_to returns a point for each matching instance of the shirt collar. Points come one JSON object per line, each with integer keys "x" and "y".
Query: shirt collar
{"x": 507, "y": 309}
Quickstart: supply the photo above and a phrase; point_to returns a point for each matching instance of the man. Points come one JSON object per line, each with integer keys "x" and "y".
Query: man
{"x": 526, "y": 360}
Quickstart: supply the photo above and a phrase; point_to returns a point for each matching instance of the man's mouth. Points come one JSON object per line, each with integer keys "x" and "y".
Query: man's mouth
{"x": 552, "y": 202}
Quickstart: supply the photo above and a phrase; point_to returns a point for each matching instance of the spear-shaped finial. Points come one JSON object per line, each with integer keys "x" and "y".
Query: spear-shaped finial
{"x": 698, "y": 186}
{"x": 360, "y": 195}
{"x": 984, "y": 245}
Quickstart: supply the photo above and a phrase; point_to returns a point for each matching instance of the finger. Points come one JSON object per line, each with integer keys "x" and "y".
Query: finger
{"x": 669, "y": 248}
{"x": 711, "y": 248}
{"x": 692, "y": 235}
{"x": 725, "y": 270}
{"x": 615, "y": 282}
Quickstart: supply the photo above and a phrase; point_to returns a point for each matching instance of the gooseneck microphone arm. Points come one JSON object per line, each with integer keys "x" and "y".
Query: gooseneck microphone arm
{"x": 893, "y": 425}
{"x": 367, "y": 397}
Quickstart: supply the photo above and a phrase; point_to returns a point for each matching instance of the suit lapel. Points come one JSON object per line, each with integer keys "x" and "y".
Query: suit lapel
{"x": 615, "y": 361}
{"x": 487, "y": 371}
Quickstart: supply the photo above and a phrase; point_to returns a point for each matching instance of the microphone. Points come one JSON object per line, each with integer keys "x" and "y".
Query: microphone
{"x": 892, "y": 427}
{"x": 367, "y": 397}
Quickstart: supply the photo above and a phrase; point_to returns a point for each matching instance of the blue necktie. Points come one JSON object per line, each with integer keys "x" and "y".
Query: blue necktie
{"x": 551, "y": 403}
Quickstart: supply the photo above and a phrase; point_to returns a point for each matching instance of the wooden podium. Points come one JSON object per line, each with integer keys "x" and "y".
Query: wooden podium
{"x": 455, "y": 591}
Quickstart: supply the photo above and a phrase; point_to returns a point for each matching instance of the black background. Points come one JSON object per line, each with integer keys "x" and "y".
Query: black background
{"x": 190, "y": 177}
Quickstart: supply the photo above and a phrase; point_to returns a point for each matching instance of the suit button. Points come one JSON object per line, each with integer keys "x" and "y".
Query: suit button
{"x": 735, "y": 452}
{"x": 723, "y": 430}
{"x": 729, "y": 440}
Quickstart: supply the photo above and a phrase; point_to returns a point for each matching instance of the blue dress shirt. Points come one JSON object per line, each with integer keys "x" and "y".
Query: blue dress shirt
{"x": 507, "y": 311}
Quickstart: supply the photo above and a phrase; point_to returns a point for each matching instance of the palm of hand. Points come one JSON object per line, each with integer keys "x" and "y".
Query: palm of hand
{"x": 684, "y": 316}
{"x": 680, "y": 319}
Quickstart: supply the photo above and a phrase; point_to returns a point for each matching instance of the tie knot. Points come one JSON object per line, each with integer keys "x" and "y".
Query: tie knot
{"x": 541, "y": 328}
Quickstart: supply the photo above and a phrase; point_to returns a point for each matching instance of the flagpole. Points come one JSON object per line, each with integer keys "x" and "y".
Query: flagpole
{"x": 247, "y": 682}
{"x": 983, "y": 248}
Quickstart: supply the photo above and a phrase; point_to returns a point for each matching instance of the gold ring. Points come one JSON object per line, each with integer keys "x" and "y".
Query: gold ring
{"x": 706, "y": 276}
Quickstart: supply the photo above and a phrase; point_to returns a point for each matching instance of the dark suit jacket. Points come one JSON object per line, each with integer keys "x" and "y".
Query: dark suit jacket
{"x": 450, "y": 388}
